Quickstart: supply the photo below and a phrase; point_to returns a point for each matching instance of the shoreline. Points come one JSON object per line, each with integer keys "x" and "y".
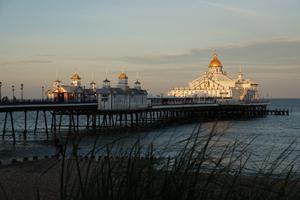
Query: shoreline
{"x": 21, "y": 181}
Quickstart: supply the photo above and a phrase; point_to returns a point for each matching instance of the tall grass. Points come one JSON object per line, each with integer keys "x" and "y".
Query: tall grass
{"x": 204, "y": 167}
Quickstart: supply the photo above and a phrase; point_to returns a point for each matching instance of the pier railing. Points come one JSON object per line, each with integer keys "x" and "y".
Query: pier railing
{"x": 74, "y": 116}
{"x": 39, "y": 101}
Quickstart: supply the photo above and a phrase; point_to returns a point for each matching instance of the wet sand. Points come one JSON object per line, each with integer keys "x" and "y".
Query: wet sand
{"x": 23, "y": 181}
{"x": 41, "y": 180}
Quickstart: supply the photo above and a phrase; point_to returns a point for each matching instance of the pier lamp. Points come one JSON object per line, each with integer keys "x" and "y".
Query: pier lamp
{"x": 43, "y": 90}
{"x": 22, "y": 88}
{"x": 0, "y": 91}
{"x": 13, "y": 92}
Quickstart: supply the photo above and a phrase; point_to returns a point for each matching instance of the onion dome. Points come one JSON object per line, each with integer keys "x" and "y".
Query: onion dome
{"x": 106, "y": 80}
{"x": 106, "y": 83}
{"x": 93, "y": 83}
{"x": 75, "y": 76}
{"x": 215, "y": 62}
{"x": 137, "y": 82}
{"x": 123, "y": 76}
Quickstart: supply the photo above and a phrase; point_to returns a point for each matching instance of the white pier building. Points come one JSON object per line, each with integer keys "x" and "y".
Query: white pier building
{"x": 122, "y": 96}
{"x": 217, "y": 84}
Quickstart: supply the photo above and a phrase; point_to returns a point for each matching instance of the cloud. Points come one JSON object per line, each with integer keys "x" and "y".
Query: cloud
{"x": 271, "y": 52}
{"x": 275, "y": 52}
{"x": 34, "y": 61}
{"x": 19, "y": 62}
{"x": 241, "y": 11}
{"x": 45, "y": 55}
{"x": 189, "y": 57}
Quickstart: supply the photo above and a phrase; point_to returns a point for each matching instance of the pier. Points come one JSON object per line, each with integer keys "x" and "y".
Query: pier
{"x": 71, "y": 117}
{"x": 278, "y": 112}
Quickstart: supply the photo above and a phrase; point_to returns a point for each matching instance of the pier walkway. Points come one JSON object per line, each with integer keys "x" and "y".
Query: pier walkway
{"x": 74, "y": 116}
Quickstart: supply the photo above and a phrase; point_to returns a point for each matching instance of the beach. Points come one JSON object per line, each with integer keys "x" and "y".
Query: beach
{"x": 21, "y": 180}
{"x": 41, "y": 179}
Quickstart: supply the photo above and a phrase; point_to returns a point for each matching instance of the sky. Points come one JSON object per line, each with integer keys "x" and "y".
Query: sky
{"x": 163, "y": 43}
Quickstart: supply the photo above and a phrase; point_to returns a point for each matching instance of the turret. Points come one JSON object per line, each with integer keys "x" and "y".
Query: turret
{"x": 106, "y": 83}
{"x": 93, "y": 86}
{"x": 56, "y": 84}
{"x": 123, "y": 81}
{"x": 241, "y": 75}
{"x": 137, "y": 85}
{"x": 75, "y": 80}
{"x": 215, "y": 64}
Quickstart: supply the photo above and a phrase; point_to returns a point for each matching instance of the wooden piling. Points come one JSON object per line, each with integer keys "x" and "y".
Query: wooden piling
{"x": 77, "y": 122}
{"x": 87, "y": 121}
{"x": 4, "y": 126}
{"x": 25, "y": 125}
{"x": 36, "y": 122}
{"x": 46, "y": 125}
{"x": 12, "y": 128}
{"x": 60, "y": 121}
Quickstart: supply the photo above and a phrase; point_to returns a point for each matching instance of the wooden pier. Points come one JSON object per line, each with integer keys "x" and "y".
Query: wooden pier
{"x": 72, "y": 117}
{"x": 278, "y": 112}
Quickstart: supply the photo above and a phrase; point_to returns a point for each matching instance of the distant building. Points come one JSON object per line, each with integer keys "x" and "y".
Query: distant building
{"x": 90, "y": 93}
{"x": 121, "y": 96}
{"x": 217, "y": 84}
{"x": 73, "y": 92}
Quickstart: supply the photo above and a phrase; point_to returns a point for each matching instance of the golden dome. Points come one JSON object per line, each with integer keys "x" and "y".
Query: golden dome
{"x": 123, "y": 76}
{"x": 75, "y": 76}
{"x": 215, "y": 62}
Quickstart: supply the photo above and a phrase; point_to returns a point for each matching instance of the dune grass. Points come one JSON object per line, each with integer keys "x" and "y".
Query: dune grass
{"x": 204, "y": 167}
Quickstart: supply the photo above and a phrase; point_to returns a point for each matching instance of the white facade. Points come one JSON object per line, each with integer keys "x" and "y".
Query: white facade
{"x": 121, "y": 102}
{"x": 123, "y": 81}
{"x": 216, "y": 83}
{"x": 75, "y": 80}
{"x": 121, "y": 97}
{"x": 72, "y": 92}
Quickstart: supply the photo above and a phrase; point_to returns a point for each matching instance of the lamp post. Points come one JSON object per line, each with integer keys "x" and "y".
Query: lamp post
{"x": 22, "y": 89}
{"x": 0, "y": 91}
{"x": 43, "y": 90}
{"x": 13, "y": 92}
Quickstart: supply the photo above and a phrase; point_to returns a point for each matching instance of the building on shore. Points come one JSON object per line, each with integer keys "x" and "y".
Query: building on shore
{"x": 73, "y": 92}
{"x": 89, "y": 94}
{"x": 122, "y": 96}
{"x": 217, "y": 84}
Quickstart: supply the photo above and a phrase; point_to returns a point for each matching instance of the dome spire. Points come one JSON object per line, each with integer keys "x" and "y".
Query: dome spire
{"x": 123, "y": 81}
{"x": 123, "y": 76}
{"x": 215, "y": 62}
{"x": 75, "y": 79}
{"x": 214, "y": 53}
{"x": 241, "y": 75}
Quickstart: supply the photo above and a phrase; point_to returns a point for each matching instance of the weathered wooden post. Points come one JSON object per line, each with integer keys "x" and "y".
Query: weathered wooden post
{"x": 25, "y": 125}
{"x": 46, "y": 125}
{"x": 12, "y": 127}
{"x": 4, "y": 126}
{"x": 87, "y": 121}
{"x": 77, "y": 121}
{"x": 36, "y": 121}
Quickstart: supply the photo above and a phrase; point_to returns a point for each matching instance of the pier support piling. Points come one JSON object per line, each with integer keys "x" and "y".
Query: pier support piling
{"x": 36, "y": 122}
{"x": 4, "y": 126}
{"x": 46, "y": 125}
{"x": 25, "y": 125}
{"x": 12, "y": 128}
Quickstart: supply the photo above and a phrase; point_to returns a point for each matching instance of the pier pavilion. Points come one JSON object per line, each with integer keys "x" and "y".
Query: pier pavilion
{"x": 217, "y": 84}
{"x": 74, "y": 92}
{"x": 122, "y": 96}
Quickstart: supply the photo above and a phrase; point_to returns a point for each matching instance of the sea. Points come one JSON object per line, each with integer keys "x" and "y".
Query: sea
{"x": 262, "y": 140}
